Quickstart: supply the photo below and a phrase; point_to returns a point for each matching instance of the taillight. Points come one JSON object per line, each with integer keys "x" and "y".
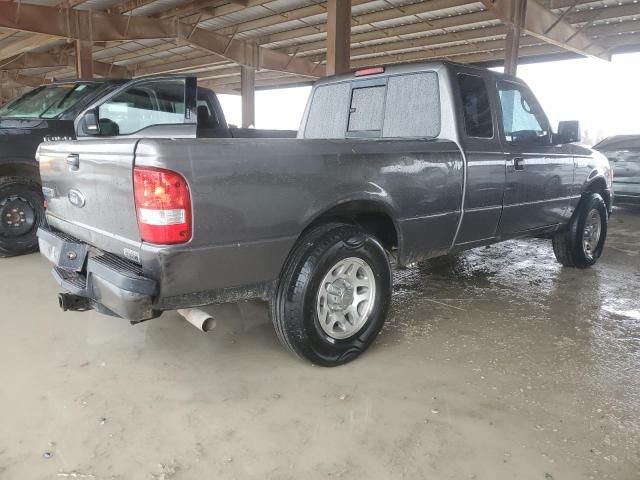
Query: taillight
{"x": 163, "y": 206}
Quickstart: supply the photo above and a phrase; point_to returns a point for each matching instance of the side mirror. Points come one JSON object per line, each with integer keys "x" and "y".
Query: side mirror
{"x": 568, "y": 132}
{"x": 90, "y": 124}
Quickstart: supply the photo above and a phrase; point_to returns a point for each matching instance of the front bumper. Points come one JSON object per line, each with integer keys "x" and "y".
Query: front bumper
{"x": 112, "y": 284}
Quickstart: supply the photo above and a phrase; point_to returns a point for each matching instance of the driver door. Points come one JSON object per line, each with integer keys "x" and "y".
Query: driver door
{"x": 539, "y": 175}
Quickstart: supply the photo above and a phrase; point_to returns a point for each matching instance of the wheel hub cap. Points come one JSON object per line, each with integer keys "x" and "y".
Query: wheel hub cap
{"x": 346, "y": 297}
{"x": 17, "y": 217}
{"x": 340, "y": 295}
{"x": 591, "y": 233}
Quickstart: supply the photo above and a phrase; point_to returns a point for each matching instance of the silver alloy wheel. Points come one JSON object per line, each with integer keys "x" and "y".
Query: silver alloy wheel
{"x": 346, "y": 297}
{"x": 591, "y": 233}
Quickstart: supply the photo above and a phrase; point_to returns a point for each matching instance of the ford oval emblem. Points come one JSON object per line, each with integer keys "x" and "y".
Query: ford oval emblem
{"x": 76, "y": 198}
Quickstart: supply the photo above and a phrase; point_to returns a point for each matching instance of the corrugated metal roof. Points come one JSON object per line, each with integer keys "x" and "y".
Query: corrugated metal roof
{"x": 298, "y": 26}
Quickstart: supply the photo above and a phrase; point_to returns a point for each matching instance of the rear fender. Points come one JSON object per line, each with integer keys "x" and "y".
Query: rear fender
{"x": 352, "y": 207}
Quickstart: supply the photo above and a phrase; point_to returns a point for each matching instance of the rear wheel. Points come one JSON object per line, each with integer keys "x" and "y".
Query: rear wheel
{"x": 21, "y": 213}
{"x": 333, "y": 296}
{"x": 581, "y": 244}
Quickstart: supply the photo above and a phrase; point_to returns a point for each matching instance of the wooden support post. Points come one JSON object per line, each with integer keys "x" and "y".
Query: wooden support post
{"x": 84, "y": 49}
{"x": 84, "y": 62}
{"x": 514, "y": 33}
{"x": 338, "y": 36}
{"x": 248, "y": 91}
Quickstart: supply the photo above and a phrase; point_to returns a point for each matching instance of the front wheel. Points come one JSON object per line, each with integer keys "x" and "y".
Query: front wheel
{"x": 581, "y": 244}
{"x": 21, "y": 213}
{"x": 333, "y": 296}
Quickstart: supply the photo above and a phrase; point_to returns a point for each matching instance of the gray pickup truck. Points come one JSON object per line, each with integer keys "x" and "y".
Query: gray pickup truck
{"x": 395, "y": 164}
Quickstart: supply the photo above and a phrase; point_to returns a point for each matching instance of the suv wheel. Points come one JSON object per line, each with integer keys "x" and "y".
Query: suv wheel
{"x": 333, "y": 295}
{"x": 581, "y": 244}
{"x": 21, "y": 213}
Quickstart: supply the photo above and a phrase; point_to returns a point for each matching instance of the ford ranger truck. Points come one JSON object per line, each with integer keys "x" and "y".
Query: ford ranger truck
{"x": 49, "y": 113}
{"x": 399, "y": 163}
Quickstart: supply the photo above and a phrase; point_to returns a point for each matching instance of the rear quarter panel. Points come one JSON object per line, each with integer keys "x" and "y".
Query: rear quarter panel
{"x": 253, "y": 198}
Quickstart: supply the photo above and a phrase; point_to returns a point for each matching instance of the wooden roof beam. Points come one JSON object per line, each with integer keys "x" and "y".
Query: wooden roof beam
{"x": 28, "y": 60}
{"x": 11, "y": 48}
{"x": 106, "y": 27}
{"x": 545, "y": 25}
{"x": 367, "y": 18}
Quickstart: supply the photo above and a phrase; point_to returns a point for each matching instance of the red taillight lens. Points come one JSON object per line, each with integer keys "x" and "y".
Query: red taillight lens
{"x": 163, "y": 206}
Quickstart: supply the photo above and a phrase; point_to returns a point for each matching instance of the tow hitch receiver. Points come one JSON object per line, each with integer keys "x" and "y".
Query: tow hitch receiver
{"x": 75, "y": 303}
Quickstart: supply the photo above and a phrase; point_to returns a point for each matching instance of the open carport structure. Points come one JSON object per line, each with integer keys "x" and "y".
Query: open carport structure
{"x": 238, "y": 45}
{"x": 495, "y": 363}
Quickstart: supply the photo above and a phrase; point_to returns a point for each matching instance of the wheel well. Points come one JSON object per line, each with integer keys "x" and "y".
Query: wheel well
{"x": 20, "y": 170}
{"x": 599, "y": 185}
{"x": 372, "y": 217}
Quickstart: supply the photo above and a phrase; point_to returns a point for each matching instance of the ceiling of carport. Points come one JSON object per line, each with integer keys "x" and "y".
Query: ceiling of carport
{"x": 383, "y": 32}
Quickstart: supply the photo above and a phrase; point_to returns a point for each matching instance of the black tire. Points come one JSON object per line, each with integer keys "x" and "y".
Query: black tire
{"x": 21, "y": 213}
{"x": 568, "y": 244}
{"x": 294, "y": 308}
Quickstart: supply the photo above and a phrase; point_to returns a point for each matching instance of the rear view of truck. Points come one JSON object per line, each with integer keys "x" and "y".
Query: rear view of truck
{"x": 90, "y": 198}
{"x": 46, "y": 112}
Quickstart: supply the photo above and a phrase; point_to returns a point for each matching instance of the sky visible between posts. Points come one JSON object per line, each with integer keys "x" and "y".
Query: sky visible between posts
{"x": 604, "y": 97}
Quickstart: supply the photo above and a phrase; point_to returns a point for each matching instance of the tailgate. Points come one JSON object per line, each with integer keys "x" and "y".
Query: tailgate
{"x": 89, "y": 190}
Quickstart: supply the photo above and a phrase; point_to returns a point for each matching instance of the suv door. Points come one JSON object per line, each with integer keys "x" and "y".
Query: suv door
{"x": 155, "y": 107}
{"x": 539, "y": 175}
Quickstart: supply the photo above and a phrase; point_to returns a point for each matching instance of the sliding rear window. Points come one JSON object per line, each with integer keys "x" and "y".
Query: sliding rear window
{"x": 403, "y": 106}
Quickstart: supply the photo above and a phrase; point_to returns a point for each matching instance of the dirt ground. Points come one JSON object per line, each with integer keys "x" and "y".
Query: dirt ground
{"x": 500, "y": 365}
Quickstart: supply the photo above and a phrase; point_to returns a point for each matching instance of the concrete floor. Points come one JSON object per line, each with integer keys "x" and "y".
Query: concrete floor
{"x": 499, "y": 365}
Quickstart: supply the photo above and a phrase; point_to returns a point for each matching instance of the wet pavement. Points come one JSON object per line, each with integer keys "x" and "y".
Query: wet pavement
{"x": 497, "y": 364}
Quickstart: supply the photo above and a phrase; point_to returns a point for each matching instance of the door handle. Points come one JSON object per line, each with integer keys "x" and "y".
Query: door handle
{"x": 73, "y": 160}
{"x": 518, "y": 163}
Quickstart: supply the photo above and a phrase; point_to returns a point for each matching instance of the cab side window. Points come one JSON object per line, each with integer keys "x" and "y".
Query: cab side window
{"x": 522, "y": 117}
{"x": 476, "y": 108}
{"x": 142, "y": 105}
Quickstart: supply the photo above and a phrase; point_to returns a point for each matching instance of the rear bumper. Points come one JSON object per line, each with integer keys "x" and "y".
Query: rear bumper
{"x": 111, "y": 284}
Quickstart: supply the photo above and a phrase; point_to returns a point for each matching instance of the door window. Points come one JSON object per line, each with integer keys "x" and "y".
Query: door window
{"x": 522, "y": 117}
{"x": 160, "y": 102}
{"x": 475, "y": 106}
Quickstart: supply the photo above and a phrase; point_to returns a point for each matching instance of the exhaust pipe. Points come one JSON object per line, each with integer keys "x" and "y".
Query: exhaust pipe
{"x": 74, "y": 303}
{"x": 198, "y": 318}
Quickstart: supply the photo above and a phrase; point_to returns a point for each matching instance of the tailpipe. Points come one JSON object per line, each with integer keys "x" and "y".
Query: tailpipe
{"x": 74, "y": 303}
{"x": 198, "y": 318}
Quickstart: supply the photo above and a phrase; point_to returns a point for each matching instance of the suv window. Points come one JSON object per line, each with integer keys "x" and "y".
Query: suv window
{"x": 522, "y": 117}
{"x": 475, "y": 106}
{"x": 142, "y": 105}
